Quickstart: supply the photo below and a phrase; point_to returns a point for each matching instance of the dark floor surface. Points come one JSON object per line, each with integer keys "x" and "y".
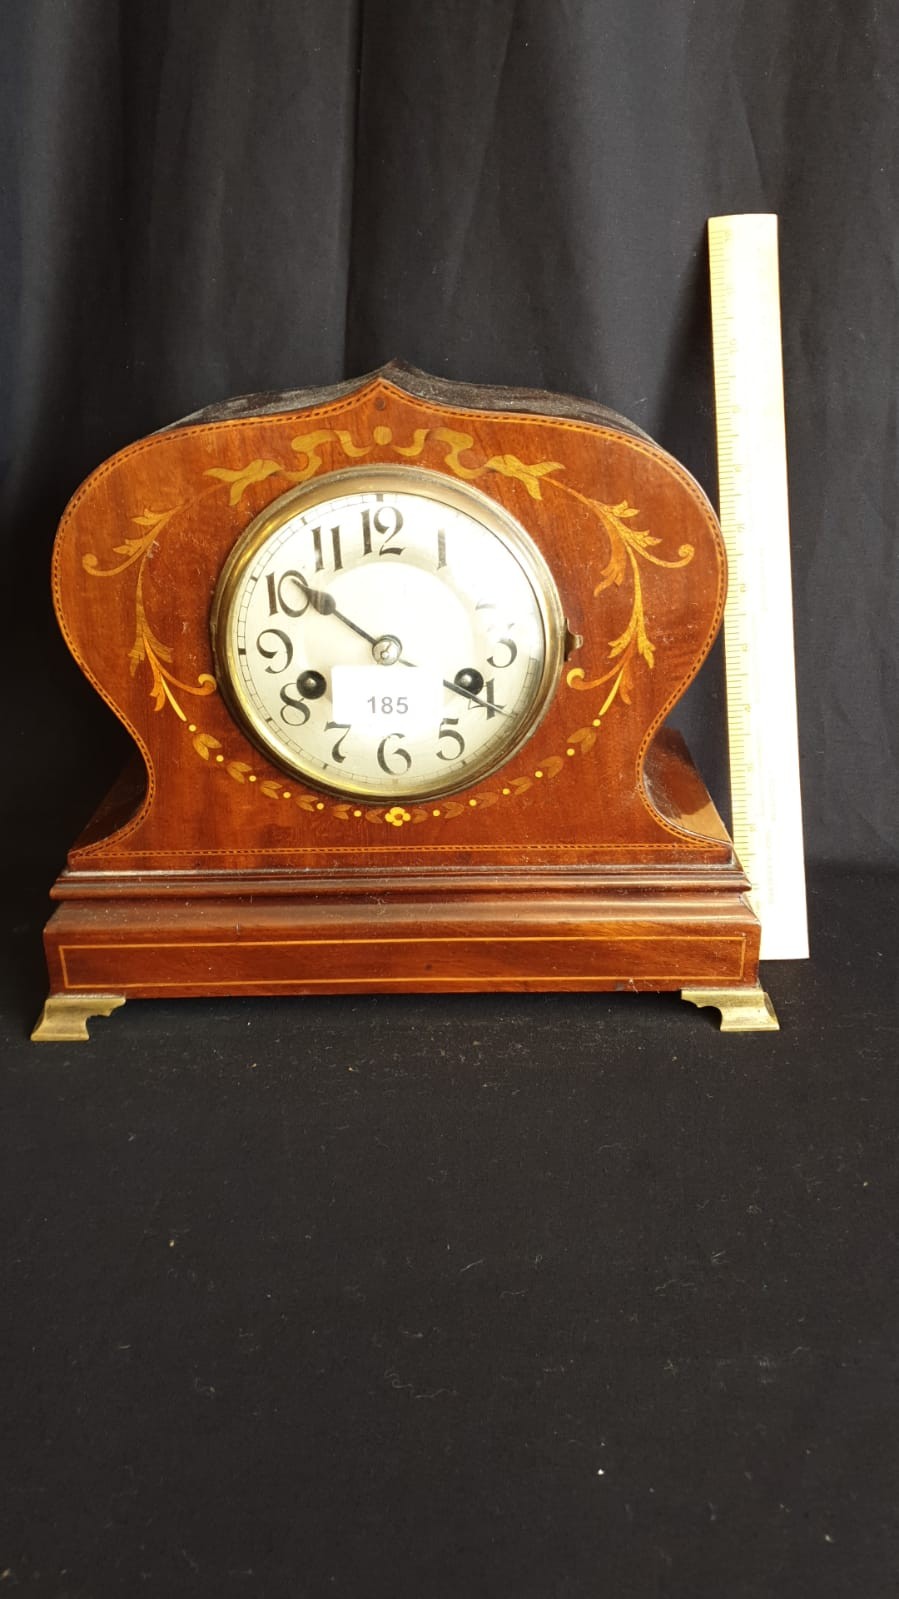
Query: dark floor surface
{"x": 432, "y": 1299}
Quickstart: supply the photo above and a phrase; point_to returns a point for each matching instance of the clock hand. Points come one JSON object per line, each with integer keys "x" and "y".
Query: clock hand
{"x": 325, "y": 604}
{"x": 472, "y": 698}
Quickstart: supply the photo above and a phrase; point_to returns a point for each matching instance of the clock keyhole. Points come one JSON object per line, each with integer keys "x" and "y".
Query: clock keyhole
{"x": 311, "y": 685}
{"x": 470, "y": 680}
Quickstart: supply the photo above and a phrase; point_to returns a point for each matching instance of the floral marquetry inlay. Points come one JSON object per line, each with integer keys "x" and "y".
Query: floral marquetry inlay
{"x": 624, "y": 549}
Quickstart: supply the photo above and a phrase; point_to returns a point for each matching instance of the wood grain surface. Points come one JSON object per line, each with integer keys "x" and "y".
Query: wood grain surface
{"x": 593, "y": 858}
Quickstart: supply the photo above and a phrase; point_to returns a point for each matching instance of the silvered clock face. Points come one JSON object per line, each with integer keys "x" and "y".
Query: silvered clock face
{"x": 387, "y": 634}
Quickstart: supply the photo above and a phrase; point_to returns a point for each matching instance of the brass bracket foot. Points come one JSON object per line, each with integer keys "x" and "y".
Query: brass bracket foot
{"x": 64, "y": 1017}
{"x": 743, "y": 1010}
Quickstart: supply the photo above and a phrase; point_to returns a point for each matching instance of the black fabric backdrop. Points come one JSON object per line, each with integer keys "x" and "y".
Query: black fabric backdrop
{"x": 202, "y": 199}
{"x": 528, "y": 1295}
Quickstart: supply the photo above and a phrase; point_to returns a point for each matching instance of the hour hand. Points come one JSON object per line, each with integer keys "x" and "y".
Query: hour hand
{"x": 326, "y": 605}
{"x": 320, "y": 599}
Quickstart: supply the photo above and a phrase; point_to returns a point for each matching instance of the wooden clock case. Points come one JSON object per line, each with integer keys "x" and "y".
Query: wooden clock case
{"x": 594, "y": 860}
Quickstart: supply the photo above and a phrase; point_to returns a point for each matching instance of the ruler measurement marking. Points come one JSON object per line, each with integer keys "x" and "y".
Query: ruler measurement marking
{"x": 758, "y": 625}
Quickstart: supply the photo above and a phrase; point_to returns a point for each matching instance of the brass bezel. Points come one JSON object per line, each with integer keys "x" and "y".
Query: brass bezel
{"x": 400, "y": 480}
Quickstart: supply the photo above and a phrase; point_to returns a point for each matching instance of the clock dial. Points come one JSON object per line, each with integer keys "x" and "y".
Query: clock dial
{"x": 385, "y": 633}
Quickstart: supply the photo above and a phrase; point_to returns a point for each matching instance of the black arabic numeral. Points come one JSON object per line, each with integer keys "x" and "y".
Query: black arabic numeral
{"x": 337, "y": 748}
{"x": 288, "y": 703}
{"x": 283, "y": 643}
{"x": 511, "y": 646}
{"x": 383, "y": 527}
{"x": 403, "y": 756}
{"x": 276, "y": 600}
{"x": 335, "y": 549}
{"x": 487, "y": 700}
{"x": 448, "y": 730}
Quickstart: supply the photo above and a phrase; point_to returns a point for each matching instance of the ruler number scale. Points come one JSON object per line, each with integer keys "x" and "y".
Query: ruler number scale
{"x": 758, "y": 618}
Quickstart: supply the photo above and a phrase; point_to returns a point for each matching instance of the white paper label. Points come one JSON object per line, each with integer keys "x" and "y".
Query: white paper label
{"x": 393, "y": 697}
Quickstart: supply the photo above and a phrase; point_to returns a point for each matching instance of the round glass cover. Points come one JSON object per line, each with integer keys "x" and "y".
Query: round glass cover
{"x": 385, "y": 633}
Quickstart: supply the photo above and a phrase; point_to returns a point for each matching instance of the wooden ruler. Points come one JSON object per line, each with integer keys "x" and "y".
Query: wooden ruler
{"x": 758, "y": 619}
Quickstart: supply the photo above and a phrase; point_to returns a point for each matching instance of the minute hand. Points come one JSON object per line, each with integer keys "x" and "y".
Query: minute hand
{"x": 472, "y": 698}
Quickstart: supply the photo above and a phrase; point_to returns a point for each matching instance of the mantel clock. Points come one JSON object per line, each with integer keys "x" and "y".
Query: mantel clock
{"x": 396, "y": 658}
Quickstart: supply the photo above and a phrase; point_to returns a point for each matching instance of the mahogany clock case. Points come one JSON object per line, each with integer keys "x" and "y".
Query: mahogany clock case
{"x": 593, "y": 859}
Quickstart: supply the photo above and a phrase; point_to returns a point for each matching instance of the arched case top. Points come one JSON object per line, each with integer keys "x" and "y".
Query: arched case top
{"x": 635, "y": 552}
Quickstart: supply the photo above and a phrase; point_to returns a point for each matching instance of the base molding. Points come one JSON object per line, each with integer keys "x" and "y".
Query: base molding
{"x": 102, "y": 951}
{"x": 636, "y": 919}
